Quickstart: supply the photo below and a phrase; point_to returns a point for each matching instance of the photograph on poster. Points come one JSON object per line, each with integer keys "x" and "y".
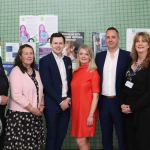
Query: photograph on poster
{"x": 7, "y": 68}
{"x": 24, "y": 35}
{"x": 11, "y": 50}
{"x": 43, "y": 35}
{"x": 37, "y": 28}
{"x": 48, "y": 24}
{"x": 28, "y": 28}
{"x": 73, "y": 41}
{"x": 44, "y": 49}
{"x": 98, "y": 42}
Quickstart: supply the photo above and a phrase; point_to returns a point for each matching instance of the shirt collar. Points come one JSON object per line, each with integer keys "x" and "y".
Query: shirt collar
{"x": 116, "y": 53}
{"x": 57, "y": 57}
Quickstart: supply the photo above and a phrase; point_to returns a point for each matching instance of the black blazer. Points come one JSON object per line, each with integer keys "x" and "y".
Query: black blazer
{"x": 138, "y": 97}
{"x": 3, "y": 87}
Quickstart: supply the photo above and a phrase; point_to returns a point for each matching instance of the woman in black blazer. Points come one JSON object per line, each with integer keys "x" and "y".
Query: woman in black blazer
{"x": 136, "y": 95}
{"x": 3, "y": 101}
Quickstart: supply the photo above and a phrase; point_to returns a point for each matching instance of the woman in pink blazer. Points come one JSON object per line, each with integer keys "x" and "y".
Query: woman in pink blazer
{"x": 24, "y": 124}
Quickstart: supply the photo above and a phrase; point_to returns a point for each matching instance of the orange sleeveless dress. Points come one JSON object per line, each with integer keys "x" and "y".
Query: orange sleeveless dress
{"x": 83, "y": 85}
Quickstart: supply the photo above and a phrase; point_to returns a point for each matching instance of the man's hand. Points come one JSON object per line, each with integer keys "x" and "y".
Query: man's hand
{"x": 65, "y": 104}
{"x": 4, "y": 100}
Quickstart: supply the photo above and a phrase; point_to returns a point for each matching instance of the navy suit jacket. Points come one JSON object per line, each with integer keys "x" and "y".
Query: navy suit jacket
{"x": 51, "y": 80}
{"x": 123, "y": 62}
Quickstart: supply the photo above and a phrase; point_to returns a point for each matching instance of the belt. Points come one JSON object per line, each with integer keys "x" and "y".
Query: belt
{"x": 109, "y": 97}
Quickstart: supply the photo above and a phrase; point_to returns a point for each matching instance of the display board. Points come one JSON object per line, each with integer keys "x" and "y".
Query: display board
{"x": 77, "y": 16}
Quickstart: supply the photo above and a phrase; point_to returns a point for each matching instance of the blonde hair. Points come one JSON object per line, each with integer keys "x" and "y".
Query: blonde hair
{"x": 146, "y": 37}
{"x": 92, "y": 65}
{"x": 70, "y": 44}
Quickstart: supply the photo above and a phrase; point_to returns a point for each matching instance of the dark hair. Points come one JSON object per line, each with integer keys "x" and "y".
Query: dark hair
{"x": 56, "y": 35}
{"x": 113, "y": 28}
{"x": 18, "y": 61}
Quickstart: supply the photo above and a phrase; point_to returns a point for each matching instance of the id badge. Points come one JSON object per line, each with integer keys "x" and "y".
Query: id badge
{"x": 129, "y": 84}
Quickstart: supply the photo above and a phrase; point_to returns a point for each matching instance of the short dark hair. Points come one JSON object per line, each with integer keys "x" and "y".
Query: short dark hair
{"x": 18, "y": 61}
{"x": 56, "y": 35}
{"x": 113, "y": 28}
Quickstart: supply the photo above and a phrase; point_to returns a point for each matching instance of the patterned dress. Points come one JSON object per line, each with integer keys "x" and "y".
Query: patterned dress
{"x": 24, "y": 131}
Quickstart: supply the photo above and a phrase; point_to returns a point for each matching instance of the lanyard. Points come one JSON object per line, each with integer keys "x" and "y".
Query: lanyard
{"x": 130, "y": 73}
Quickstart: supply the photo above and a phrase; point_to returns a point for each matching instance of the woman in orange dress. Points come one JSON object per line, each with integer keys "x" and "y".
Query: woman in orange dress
{"x": 85, "y": 88}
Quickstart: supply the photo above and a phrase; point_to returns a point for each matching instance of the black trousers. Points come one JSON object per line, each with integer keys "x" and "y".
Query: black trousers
{"x": 130, "y": 132}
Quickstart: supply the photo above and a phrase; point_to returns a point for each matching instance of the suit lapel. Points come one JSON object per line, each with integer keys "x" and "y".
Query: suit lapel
{"x": 119, "y": 64}
{"x": 102, "y": 61}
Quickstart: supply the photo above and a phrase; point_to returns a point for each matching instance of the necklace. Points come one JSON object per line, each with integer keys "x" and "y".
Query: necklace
{"x": 137, "y": 66}
{"x": 29, "y": 71}
{"x": 139, "y": 61}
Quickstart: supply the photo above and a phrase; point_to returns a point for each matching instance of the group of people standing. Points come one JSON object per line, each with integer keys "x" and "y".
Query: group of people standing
{"x": 115, "y": 86}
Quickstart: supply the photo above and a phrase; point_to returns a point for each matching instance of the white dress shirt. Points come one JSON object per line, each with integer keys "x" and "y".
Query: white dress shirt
{"x": 62, "y": 70}
{"x": 109, "y": 74}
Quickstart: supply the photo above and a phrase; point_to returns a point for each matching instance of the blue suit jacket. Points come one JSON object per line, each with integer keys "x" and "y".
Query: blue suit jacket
{"x": 124, "y": 60}
{"x": 51, "y": 80}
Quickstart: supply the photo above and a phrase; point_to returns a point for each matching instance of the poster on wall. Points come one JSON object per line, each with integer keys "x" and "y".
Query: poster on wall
{"x": 44, "y": 49}
{"x": 73, "y": 41}
{"x": 98, "y": 42}
{"x": 7, "y": 68}
{"x": 11, "y": 50}
{"x": 28, "y": 28}
{"x": 48, "y": 24}
{"x": 37, "y": 28}
{"x": 0, "y": 51}
{"x": 130, "y": 33}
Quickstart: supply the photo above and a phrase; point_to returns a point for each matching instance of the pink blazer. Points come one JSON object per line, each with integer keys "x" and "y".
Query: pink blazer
{"x": 23, "y": 90}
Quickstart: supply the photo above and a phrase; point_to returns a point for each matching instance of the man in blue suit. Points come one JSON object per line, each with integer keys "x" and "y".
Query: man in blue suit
{"x": 112, "y": 65}
{"x": 56, "y": 73}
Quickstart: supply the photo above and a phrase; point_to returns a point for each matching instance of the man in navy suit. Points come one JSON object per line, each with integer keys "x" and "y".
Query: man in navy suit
{"x": 112, "y": 65}
{"x": 56, "y": 74}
